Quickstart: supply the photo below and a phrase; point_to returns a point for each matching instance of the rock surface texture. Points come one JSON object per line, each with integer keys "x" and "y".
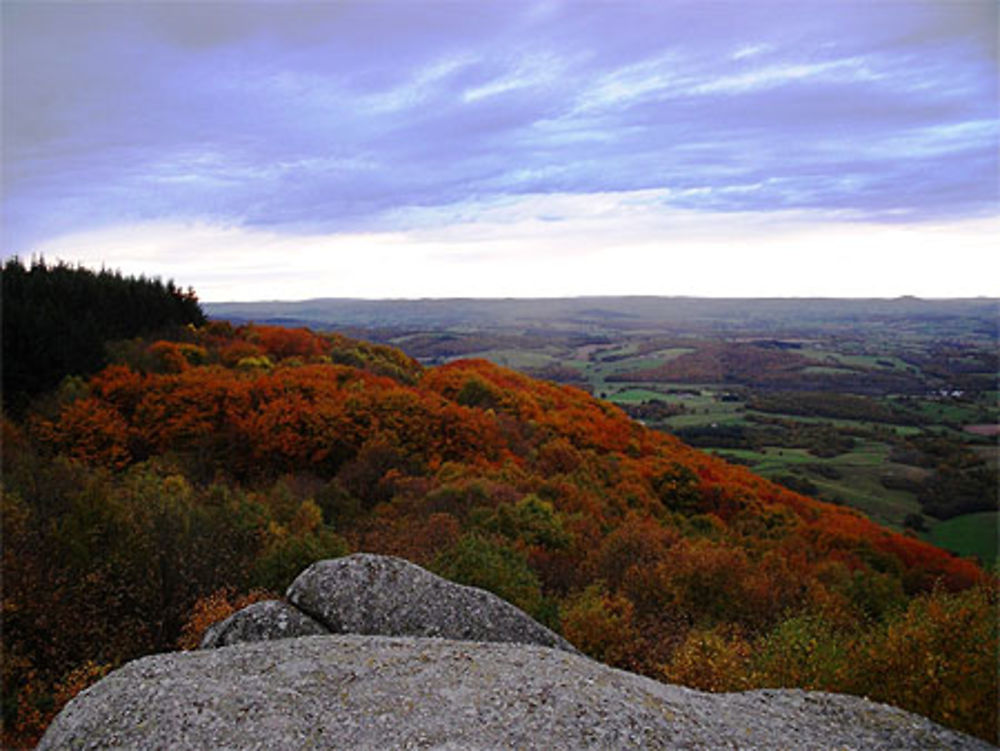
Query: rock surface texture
{"x": 262, "y": 621}
{"x": 377, "y": 594}
{"x": 371, "y": 692}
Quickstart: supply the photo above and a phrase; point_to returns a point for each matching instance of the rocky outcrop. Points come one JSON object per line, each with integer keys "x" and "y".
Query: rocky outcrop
{"x": 426, "y": 663}
{"x": 377, "y": 594}
{"x": 372, "y": 692}
{"x": 262, "y": 621}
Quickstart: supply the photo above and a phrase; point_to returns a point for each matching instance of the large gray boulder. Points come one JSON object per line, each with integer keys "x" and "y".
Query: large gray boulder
{"x": 366, "y": 692}
{"x": 377, "y": 594}
{"x": 261, "y": 621}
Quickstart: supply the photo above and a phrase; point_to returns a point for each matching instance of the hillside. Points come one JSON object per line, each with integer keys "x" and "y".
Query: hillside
{"x": 886, "y": 405}
{"x": 143, "y": 503}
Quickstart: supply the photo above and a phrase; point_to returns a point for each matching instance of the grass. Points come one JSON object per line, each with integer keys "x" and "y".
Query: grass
{"x": 635, "y": 396}
{"x": 989, "y": 454}
{"x": 835, "y": 359}
{"x": 859, "y": 484}
{"x": 721, "y": 417}
{"x": 948, "y": 412}
{"x": 516, "y": 358}
{"x": 825, "y": 369}
{"x": 863, "y": 491}
{"x": 623, "y": 366}
{"x": 839, "y": 422}
{"x": 671, "y": 353}
{"x": 622, "y": 349}
{"x": 970, "y": 535}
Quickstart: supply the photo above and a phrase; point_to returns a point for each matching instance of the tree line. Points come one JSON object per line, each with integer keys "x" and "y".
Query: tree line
{"x": 57, "y": 317}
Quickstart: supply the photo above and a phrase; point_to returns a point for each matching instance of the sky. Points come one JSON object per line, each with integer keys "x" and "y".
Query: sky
{"x": 508, "y": 148}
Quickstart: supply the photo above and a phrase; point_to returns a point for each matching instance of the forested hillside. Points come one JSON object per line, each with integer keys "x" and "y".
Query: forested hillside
{"x": 889, "y": 406}
{"x": 192, "y": 473}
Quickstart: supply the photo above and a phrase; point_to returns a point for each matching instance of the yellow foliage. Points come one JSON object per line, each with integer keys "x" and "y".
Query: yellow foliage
{"x": 939, "y": 658}
{"x": 601, "y": 625}
{"x": 711, "y": 660}
{"x": 308, "y": 518}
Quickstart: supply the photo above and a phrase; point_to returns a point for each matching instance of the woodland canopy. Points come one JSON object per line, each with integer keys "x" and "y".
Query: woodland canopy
{"x": 197, "y": 471}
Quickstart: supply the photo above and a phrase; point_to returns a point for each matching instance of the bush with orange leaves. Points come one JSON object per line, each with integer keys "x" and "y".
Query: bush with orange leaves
{"x": 281, "y": 343}
{"x": 89, "y": 430}
{"x": 213, "y": 608}
{"x": 38, "y": 704}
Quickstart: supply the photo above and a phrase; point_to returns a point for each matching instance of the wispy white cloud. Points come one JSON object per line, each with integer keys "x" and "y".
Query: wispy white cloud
{"x": 656, "y": 76}
{"x": 417, "y": 89}
{"x": 672, "y": 76}
{"x": 751, "y": 50}
{"x": 851, "y": 69}
{"x": 530, "y": 70}
{"x": 533, "y": 129}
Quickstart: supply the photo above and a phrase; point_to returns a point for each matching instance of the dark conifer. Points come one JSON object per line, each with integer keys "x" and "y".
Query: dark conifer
{"x": 57, "y": 318}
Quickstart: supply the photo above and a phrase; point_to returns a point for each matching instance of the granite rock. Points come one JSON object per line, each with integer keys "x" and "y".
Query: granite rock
{"x": 261, "y": 621}
{"x": 376, "y": 594}
{"x": 374, "y": 692}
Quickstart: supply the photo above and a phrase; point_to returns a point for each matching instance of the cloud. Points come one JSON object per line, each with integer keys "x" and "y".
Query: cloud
{"x": 357, "y": 118}
{"x": 558, "y": 245}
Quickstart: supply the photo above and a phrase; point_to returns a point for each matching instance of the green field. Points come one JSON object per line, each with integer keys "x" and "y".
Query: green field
{"x": 859, "y": 483}
{"x": 635, "y": 396}
{"x": 970, "y": 535}
{"x": 671, "y": 353}
{"x": 835, "y": 359}
{"x": 839, "y": 422}
{"x": 515, "y": 358}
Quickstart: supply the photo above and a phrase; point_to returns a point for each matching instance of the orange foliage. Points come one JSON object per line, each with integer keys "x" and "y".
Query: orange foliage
{"x": 281, "y": 343}
{"x": 89, "y": 430}
{"x": 238, "y": 349}
{"x": 38, "y": 704}
{"x": 640, "y": 543}
{"x": 213, "y": 608}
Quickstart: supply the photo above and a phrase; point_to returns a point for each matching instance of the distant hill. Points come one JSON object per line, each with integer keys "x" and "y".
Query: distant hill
{"x": 606, "y": 312}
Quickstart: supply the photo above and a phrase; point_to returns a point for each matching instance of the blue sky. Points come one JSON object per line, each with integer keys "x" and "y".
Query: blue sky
{"x": 422, "y": 148}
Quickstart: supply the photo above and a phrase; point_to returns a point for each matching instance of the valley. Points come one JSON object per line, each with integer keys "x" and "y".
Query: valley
{"x": 889, "y": 406}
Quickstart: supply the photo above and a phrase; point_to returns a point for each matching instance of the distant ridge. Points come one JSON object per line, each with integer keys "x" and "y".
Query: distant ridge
{"x": 572, "y": 312}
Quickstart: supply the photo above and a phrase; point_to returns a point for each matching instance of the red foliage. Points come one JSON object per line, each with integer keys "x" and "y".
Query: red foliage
{"x": 280, "y": 343}
{"x": 89, "y": 430}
